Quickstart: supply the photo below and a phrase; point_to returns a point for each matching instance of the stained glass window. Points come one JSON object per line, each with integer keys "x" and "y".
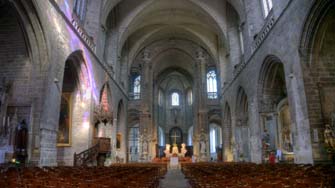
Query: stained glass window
{"x": 175, "y": 99}
{"x": 212, "y": 84}
{"x": 137, "y": 87}
{"x": 267, "y": 6}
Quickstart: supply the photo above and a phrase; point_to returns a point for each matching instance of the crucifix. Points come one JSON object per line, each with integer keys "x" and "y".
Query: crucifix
{"x": 175, "y": 137}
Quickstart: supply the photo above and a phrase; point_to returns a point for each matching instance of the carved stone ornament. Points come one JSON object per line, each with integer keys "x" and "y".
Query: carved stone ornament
{"x": 102, "y": 115}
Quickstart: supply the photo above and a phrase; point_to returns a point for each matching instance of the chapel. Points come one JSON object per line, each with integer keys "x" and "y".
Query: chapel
{"x": 167, "y": 93}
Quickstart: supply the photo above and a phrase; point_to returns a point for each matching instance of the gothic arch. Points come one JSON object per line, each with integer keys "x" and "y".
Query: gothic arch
{"x": 121, "y": 130}
{"x": 317, "y": 55}
{"x": 275, "y": 114}
{"x": 25, "y": 61}
{"x": 313, "y": 21}
{"x": 106, "y": 97}
{"x": 271, "y": 84}
{"x": 242, "y": 132}
{"x": 241, "y": 107}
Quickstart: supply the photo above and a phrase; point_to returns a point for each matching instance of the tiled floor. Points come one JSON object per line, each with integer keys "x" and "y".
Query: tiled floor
{"x": 174, "y": 178}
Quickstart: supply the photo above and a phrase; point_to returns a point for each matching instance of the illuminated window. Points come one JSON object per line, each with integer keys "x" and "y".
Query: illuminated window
{"x": 79, "y": 7}
{"x": 137, "y": 87}
{"x": 267, "y": 6}
{"x": 212, "y": 85}
{"x": 189, "y": 97}
{"x": 133, "y": 142}
{"x": 175, "y": 99}
{"x": 215, "y": 139}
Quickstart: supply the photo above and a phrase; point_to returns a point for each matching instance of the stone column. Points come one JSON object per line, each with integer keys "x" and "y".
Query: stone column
{"x": 301, "y": 129}
{"x": 255, "y": 132}
{"x": 202, "y": 123}
{"x": 147, "y": 101}
{"x": 227, "y": 138}
{"x": 49, "y": 123}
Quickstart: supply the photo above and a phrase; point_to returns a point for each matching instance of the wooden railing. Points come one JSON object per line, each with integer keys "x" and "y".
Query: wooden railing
{"x": 100, "y": 146}
{"x": 86, "y": 157}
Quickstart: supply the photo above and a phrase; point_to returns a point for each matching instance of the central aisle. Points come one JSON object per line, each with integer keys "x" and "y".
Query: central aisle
{"x": 174, "y": 178}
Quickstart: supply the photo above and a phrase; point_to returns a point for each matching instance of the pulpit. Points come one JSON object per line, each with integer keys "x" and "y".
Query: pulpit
{"x": 104, "y": 147}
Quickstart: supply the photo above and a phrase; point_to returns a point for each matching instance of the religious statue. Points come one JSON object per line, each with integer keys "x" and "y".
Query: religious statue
{"x": 145, "y": 139}
{"x": 329, "y": 137}
{"x": 202, "y": 147}
{"x": 145, "y": 147}
{"x": 286, "y": 135}
{"x": 266, "y": 137}
{"x": 167, "y": 150}
{"x": 183, "y": 149}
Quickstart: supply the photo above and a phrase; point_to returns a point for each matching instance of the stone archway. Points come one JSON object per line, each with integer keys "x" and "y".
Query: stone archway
{"x": 22, "y": 72}
{"x": 317, "y": 54}
{"x": 121, "y": 133}
{"x": 74, "y": 133}
{"x": 275, "y": 116}
{"x": 242, "y": 132}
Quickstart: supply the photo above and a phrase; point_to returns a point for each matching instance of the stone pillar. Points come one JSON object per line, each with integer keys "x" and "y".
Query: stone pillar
{"x": 300, "y": 129}
{"x": 227, "y": 138}
{"x": 146, "y": 121}
{"x": 201, "y": 108}
{"x": 49, "y": 124}
{"x": 255, "y": 132}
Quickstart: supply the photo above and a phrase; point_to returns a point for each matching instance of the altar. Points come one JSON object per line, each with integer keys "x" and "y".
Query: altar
{"x": 175, "y": 154}
{"x": 174, "y": 162}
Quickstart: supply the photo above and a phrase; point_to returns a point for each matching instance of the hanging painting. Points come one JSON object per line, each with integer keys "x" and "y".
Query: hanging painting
{"x": 64, "y": 127}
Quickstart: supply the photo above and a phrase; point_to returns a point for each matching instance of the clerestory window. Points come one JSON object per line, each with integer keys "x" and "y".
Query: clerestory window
{"x": 212, "y": 85}
{"x": 267, "y": 6}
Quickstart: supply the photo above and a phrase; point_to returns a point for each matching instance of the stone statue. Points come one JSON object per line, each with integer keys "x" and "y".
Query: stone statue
{"x": 175, "y": 149}
{"x": 266, "y": 137}
{"x": 329, "y": 137}
{"x": 286, "y": 135}
{"x": 183, "y": 149}
{"x": 202, "y": 147}
{"x": 167, "y": 150}
{"x": 145, "y": 147}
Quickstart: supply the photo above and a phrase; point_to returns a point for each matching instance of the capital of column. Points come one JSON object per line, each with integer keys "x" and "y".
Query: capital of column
{"x": 146, "y": 56}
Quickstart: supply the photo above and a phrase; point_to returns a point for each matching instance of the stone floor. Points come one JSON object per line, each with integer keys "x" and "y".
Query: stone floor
{"x": 174, "y": 178}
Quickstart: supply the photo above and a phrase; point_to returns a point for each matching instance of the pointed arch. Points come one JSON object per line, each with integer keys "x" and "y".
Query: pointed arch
{"x": 242, "y": 132}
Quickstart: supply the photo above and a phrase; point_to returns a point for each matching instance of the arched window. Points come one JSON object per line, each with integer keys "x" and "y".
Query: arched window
{"x": 133, "y": 142}
{"x": 241, "y": 39}
{"x": 189, "y": 97}
{"x": 79, "y": 8}
{"x": 175, "y": 99}
{"x": 161, "y": 137}
{"x": 190, "y": 136}
{"x": 215, "y": 134}
{"x": 212, "y": 84}
{"x": 137, "y": 87}
{"x": 267, "y": 6}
